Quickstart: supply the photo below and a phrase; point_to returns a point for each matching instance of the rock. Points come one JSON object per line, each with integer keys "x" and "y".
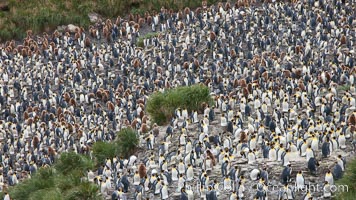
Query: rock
{"x": 72, "y": 28}
{"x": 61, "y": 28}
{"x": 94, "y": 17}
{"x": 242, "y": 161}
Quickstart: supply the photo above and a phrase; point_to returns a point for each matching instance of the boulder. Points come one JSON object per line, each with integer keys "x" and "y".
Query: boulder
{"x": 94, "y": 17}
{"x": 61, "y": 28}
{"x": 72, "y": 28}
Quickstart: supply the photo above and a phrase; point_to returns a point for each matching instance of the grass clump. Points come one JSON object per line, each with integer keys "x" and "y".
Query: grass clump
{"x": 348, "y": 179}
{"x": 140, "y": 43}
{"x": 127, "y": 141}
{"x": 124, "y": 145}
{"x": 72, "y": 163}
{"x": 138, "y": 11}
{"x": 58, "y": 182}
{"x": 161, "y": 106}
{"x": 344, "y": 87}
{"x": 104, "y": 150}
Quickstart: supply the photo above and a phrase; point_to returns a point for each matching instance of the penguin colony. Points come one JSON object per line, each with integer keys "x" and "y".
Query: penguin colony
{"x": 282, "y": 76}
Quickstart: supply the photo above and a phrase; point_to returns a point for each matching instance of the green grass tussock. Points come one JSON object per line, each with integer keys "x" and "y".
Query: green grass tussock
{"x": 349, "y": 180}
{"x": 104, "y": 150}
{"x": 344, "y": 87}
{"x": 59, "y": 182}
{"x": 124, "y": 145}
{"x": 140, "y": 43}
{"x": 70, "y": 163}
{"x": 161, "y": 106}
{"x": 64, "y": 180}
{"x": 127, "y": 141}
